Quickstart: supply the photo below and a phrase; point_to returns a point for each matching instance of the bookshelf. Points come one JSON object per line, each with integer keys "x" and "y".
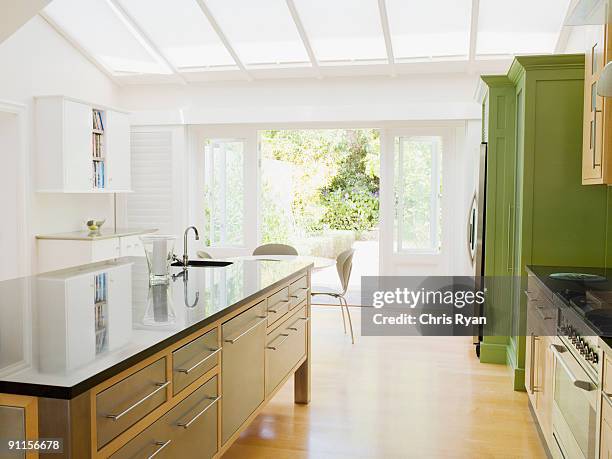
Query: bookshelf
{"x": 97, "y": 147}
{"x": 81, "y": 147}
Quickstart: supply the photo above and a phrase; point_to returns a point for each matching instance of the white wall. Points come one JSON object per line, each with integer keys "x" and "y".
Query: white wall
{"x": 418, "y": 97}
{"x": 37, "y": 61}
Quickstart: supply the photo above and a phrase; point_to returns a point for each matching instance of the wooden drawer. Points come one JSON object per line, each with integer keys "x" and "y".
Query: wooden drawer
{"x": 285, "y": 346}
{"x": 194, "y": 359}
{"x": 129, "y": 400}
{"x": 298, "y": 292}
{"x": 187, "y": 430}
{"x": 242, "y": 367}
{"x": 278, "y": 305}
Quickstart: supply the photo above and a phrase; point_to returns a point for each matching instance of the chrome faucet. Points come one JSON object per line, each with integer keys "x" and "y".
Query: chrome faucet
{"x": 185, "y": 252}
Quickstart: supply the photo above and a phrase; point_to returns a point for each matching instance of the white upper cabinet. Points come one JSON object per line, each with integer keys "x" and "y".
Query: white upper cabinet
{"x": 81, "y": 147}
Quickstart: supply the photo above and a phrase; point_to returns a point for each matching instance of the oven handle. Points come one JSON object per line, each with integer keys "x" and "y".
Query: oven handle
{"x": 580, "y": 383}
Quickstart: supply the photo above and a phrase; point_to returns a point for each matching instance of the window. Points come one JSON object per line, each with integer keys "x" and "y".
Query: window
{"x": 417, "y": 188}
{"x": 224, "y": 193}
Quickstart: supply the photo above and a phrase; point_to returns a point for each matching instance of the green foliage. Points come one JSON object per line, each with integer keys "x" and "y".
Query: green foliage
{"x": 333, "y": 182}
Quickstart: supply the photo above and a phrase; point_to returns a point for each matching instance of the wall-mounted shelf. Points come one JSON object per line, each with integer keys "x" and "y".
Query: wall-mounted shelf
{"x": 81, "y": 147}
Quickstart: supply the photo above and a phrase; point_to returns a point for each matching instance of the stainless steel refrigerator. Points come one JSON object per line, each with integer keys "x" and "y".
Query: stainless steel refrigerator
{"x": 476, "y": 234}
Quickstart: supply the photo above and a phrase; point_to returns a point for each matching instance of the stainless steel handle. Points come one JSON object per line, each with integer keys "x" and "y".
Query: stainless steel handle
{"x": 292, "y": 327}
{"x": 186, "y": 425}
{"x": 532, "y": 366}
{"x": 581, "y": 384}
{"x": 594, "y": 139}
{"x": 116, "y": 417}
{"x": 162, "y": 445}
{"x": 529, "y": 297}
{"x": 233, "y": 340}
{"x": 509, "y": 264}
{"x": 274, "y": 348}
{"x": 540, "y": 310}
{"x": 188, "y": 370}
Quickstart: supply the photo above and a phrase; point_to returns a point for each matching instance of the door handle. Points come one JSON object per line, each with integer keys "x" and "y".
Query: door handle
{"x": 235, "y": 339}
{"x": 116, "y": 417}
{"x": 580, "y": 383}
{"x": 186, "y": 425}
{"x": 161, "y": 445}
{"x": 188, "y": 370}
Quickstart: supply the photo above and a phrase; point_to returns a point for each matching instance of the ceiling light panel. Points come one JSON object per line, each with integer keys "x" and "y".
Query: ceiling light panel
{"x": 343, "y": 30}
{"x": 181, "y": 32}
{"x": 100, "y": 31}
{"x": 424, "y": 29}
{"x": 519, "y": 26}
{"x": 261, "y": 32}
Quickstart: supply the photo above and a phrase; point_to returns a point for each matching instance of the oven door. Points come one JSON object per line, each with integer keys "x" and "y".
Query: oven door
{"x": 574, "y": 407}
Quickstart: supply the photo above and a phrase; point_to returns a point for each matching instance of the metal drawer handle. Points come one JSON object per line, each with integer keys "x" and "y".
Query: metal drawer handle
{"x": 188, "y": 370}
{"x": 162, "y": 445}
{"x": 581, "y": 384}
{"x": 116, "y": 417}
{"x": 186, "y": 425}
{"x": 233, "y": 340}
{"x": 293, "y": 327}
{"x": 274, "y": 348}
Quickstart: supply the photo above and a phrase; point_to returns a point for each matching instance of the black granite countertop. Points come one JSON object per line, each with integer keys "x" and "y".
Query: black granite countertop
{"x": 579, "y": 295}
{"x": 64, "y": 332}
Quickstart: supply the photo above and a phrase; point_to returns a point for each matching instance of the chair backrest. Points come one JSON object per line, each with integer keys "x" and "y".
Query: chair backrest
{"x": 344, "y": 265}
{"x": 202, "y": 254}
{"x": 275, "y": 249}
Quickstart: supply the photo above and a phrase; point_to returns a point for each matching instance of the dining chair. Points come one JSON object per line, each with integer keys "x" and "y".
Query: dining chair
{"x": 344, "y": 266}
{"x": 202, "y": 254}
{"x": 275, "y": 249}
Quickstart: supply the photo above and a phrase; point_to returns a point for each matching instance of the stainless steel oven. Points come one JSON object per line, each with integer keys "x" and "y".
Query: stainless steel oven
{"x": 575, "y": 402}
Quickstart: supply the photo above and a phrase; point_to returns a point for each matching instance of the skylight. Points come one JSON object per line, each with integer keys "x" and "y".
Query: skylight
{"x": 100, "y": 31}
{"x": 519, "y": 26}
{"x": 181, "y": 32}
{"x": 253, "y": 37}
{"x": 434, "y": 28}
{"x": 343, "y": 30}
{"x": 261, "y": 32}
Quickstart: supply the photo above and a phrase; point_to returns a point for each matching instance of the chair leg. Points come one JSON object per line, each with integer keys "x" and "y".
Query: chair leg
{"x": 348, "y": 313}
{"x": 343, "y": 318}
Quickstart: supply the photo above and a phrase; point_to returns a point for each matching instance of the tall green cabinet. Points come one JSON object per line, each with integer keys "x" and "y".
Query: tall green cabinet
{"x": 537, "y": 212}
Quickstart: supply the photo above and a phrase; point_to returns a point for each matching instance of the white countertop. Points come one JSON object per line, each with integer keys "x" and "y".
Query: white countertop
{"x": 94, "y": 236}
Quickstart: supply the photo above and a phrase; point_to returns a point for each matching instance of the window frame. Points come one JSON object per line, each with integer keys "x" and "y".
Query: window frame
{"x": 435, "y": 197}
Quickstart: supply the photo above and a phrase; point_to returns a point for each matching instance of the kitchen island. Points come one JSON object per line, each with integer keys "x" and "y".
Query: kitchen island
{"x": 117, "y": 368}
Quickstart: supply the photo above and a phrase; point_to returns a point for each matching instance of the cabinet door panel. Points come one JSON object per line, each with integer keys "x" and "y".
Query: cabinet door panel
{"x": 242, "y": 367}
{"x": 78, "y": 125}
{"x": 118, "y": 151}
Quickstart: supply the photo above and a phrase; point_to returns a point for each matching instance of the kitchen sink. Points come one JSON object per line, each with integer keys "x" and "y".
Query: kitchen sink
{"x": 203, "y": 263}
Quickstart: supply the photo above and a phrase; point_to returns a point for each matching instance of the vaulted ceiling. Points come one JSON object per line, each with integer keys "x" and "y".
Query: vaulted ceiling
{"x": 143, "y": 41}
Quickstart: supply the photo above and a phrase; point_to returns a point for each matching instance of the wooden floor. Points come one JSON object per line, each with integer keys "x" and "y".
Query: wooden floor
{"x": 394, "y": 397}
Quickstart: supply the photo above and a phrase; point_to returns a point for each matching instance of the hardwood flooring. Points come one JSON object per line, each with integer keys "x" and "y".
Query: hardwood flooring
{"x": 393, "y": 397}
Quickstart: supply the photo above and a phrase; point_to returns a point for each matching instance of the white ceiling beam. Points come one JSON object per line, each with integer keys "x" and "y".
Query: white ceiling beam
{"x": 304, "y": 36}
{"x": 565, "y": 31}
{"x": 75, "y": 44}
{"x": 215, "y": 25}
{"x": 384, "y": 22}
{"x": 473, "y": 31}
{"x": 141, "y": 36}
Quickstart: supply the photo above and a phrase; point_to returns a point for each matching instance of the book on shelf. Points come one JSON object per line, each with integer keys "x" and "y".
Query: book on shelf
{"x": 99, "y": 174}
{"x": 97, "y": 146}
{"x": 98, "y": 124}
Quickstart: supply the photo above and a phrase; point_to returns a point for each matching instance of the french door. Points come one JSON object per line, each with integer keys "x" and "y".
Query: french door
{"x": 416, "y": 183}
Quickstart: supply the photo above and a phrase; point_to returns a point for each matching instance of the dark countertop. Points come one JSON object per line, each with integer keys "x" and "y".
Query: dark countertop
{"x": 55, "y": 343}
{"x": 564, "y": 289}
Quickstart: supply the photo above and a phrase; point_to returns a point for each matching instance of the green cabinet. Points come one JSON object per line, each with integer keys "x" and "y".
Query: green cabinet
{"x": 538, "y": 212}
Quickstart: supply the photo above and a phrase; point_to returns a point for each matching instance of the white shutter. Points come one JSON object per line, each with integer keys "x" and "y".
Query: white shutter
{"x": 151, "y": 204}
